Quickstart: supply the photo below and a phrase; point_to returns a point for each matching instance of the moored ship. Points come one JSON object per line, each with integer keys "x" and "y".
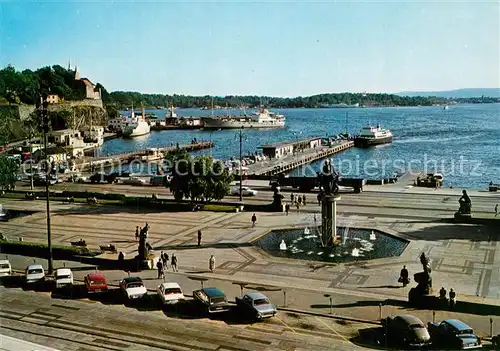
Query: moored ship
{"x": 133, "y": 125}
{"x": 262, "y": 119}
{"x": 371, "y": 136}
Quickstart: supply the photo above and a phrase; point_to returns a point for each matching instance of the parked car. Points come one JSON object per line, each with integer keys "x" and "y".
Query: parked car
{"x": 170, "y": 293}
{"x": 212, "y": 299}
{"x": 133, "y": 288}
{"x": 256, "y": 305}
{"x": 495, "y": 341}
{"x": 95, "y": 283}
{"x": 5, "y": 268}
{"x": 453, "y": 334}
{"x": 406, "y": 330}
{"x": 135, "y": 181}
{"x": 64, "y": 277}
{"x": 34, "y": 273}
{"x": 245, "y": 191}
{"x": 102, "y": 177}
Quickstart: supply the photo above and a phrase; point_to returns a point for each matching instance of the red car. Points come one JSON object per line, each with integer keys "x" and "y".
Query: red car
{"x": 96, "y": 283}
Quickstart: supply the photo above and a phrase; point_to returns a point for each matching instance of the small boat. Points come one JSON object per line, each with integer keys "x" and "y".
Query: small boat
{"x": 446, "y": 107}
{"x": 135, "y": 125}
{"x": 371, "y": 136}
{"x": 262, "y": 119}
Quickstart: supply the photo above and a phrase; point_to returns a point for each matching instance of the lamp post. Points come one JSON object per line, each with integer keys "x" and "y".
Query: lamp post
{"x": 45, "y": 124}
{"x": 210, "y": 140}
{"x": 240, "y": 134}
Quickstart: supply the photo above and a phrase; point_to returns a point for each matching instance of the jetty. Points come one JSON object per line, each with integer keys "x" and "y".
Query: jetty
{"x": 291, "y": 155}
{"x": 145, "y": 155}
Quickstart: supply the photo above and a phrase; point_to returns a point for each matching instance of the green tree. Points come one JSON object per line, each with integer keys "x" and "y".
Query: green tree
{"x": 198, "y": 179}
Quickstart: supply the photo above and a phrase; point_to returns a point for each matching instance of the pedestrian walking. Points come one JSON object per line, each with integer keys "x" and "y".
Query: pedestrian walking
{"x": 298, "y": 206}
{"x": 137, "y": 232}
{"x": 319, "y": 198}
{"x": 165, "y": 260}
{"x": 303, "y": 200}
{"x": 199, "y": 238}
{"x": 403, "y": 276}
{"x": 287, "y": 208}
{"x": 292, "y": 198}
{"x": 299, "y": 199}
{"x": 174, "y": 263}
{"x": 496, "y": 210}
{"x": 315, "y": 218}
{"x": 159, "y": 265}
{"x": 453, "y": 300}
{"x": 121, "y": 257}
{"x": 254, "y": 220}
{"x": 211, "y": 263}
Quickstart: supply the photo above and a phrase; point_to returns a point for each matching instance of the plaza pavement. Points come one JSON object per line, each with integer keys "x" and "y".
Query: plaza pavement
{"x": 465, "y": 257}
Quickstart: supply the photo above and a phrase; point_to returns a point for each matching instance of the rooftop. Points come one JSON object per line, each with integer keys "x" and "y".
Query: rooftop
{"x": 64, "y": 131}
{"x": 213, "y": 292}
{"x": 287, "y": 143}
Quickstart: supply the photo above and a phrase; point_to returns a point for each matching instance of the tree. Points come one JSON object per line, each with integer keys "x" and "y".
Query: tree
{"x": 198, "y": 179}
{"x": 8, "y": 166}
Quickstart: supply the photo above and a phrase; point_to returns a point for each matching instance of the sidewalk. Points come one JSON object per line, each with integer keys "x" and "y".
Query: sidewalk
{"x": 356, "y": 305}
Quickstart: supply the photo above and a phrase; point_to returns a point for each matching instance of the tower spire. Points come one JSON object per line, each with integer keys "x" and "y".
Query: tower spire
{"x": 77, "y": 73}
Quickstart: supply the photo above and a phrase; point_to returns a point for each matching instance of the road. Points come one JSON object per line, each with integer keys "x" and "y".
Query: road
{"x": 77, "y": 325}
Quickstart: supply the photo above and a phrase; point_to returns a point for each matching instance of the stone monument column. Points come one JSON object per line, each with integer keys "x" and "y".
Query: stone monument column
{"x": 329, "y": 219}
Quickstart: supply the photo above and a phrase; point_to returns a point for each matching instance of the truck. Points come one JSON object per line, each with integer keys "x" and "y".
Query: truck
{"x": 306, "y": 184}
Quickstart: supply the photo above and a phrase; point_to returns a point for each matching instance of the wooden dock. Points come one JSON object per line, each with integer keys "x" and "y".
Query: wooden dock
{"x": 85, "y": 164}
{"x": 282, "y": 165}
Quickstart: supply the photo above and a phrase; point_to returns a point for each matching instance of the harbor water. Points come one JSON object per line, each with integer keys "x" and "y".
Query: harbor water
{"x": 462, "y": 142}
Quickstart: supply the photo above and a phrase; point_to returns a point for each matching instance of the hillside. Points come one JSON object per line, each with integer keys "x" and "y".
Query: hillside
{"x": 457, "y": 93}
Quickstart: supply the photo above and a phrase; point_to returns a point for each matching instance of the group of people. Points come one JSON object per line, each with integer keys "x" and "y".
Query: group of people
{"x": 162, "y": 264}
{"x": 297, "y": 200}
{"x": 144, "y": 230}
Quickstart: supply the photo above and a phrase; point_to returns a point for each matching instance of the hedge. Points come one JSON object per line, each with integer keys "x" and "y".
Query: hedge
{"x": 41, "y": 250}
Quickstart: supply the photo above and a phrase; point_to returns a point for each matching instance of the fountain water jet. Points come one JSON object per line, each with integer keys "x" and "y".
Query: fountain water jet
{"x": 283, "y": 245}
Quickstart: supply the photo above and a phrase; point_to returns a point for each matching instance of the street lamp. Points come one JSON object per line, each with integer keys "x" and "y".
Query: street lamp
{"x": 45, "y": 124}
{"x": 241, "y": 135}
{"x": 210, "y": 140}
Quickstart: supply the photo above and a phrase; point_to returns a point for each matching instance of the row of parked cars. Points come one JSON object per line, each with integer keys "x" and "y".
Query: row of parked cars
{"x": 409, "y": 331}
{"x": 212, "y": 300}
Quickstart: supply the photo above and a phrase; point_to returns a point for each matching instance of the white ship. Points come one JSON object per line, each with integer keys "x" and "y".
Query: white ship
{"x": 371, "y": 136}
{"x": 133, "y": 125}
{"x": 261, "y": 119}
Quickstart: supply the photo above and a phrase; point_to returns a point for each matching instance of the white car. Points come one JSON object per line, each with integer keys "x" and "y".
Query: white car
{"x": 245, "y": 191}
{"x": 133, "y": 288}
{"x": 170, "y": 293}
{"x": 64, "y": 277}
{"x": 34, "y": 273}
{"x": 5, "y": 268}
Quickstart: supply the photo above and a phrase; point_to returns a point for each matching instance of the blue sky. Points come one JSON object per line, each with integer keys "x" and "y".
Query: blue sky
{"x": 265, "y": 48}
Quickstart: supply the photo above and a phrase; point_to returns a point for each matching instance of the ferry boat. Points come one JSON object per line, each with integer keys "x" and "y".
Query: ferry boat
{"x": 371, "y": 136}
{"x": 133, "y": 125}
{"x": 262, "y": 119}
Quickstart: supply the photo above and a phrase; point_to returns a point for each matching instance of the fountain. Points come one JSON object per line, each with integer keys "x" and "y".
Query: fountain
{"x": 306, "y": 231}
{"x": 283, "y": 245}
{"x": 355, "y": 252}
{"x": 373, "y": 236}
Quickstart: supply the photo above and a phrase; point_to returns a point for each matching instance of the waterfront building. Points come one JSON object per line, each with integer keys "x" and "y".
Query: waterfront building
{"x": 56, "y": 154}
{"x": 282, "y": 149}
{"x": 64, "y": 137}
{"x": 89, "y": 89}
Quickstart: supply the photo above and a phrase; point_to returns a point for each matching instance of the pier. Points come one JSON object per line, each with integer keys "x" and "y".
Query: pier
{"x": 275, "y": 166}
{"x": 144, "y": 155}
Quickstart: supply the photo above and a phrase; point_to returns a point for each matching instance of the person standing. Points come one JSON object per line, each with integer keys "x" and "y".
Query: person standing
{"x": 211, "y": 263}
{"x": 254, "y": 220}
{"x": 299, "y": 200}
{"x": 287, "y": 208}
{"x": 174, "y": 263}
{"x": 496, "y": 210}
{"x": 159, "y": 265}
{"x": 453, "y": 300}
{"x": 319, "y": 199}
{"x": 292, "y": 198}
{"x": 199, "y": 238}
{"x": 137, "y": 232}
{"x": 303, "y": 200}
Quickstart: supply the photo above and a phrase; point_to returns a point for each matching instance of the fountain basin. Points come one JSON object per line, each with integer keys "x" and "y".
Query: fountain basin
{"x": 357, "y": 245}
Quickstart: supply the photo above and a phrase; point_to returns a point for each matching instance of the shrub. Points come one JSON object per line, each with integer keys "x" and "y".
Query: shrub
{"x": 41, "y": 250}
